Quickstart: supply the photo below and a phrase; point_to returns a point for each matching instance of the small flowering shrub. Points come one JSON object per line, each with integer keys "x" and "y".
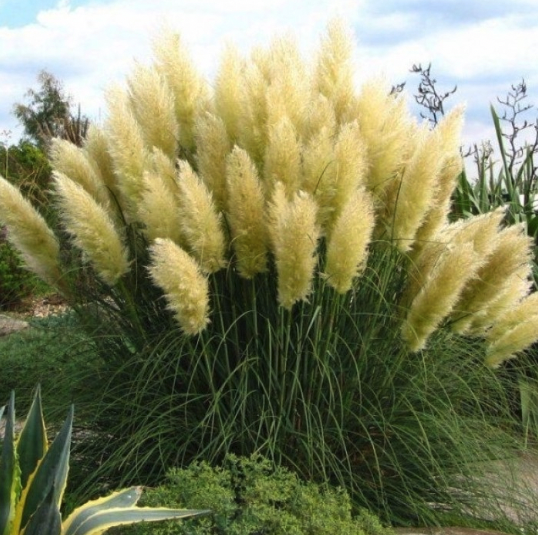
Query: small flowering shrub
{"x": 267, "y": 265}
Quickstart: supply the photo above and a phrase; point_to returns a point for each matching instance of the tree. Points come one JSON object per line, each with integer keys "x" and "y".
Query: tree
{"x": 49, "y": 113}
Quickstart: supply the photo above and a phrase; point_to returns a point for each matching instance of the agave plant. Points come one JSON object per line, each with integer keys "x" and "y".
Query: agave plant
{"x": 33, "y": 478}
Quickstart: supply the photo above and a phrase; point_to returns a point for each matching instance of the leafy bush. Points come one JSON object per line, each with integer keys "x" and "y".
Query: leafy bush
{"x": 249, "y": 496}
{"x": 16, "y": 282}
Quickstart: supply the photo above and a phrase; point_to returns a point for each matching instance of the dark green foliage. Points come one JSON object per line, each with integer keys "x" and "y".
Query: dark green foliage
{"x": 15, "y": 282}
{"x": 51, "y": 352}
{"x": 250, "y": 496}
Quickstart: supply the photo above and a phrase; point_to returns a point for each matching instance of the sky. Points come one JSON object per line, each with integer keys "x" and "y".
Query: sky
{"x": 482, "y": 46}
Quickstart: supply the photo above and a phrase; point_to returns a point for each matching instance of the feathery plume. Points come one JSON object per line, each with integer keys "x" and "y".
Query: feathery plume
{"x": 158, "y": 210}
{"x": 516, "y": 288}
{"x": 294, "y": 235}
{"x": 162, "y": 165}
{"x": 127, "y": 149}
{"x": 282, "y": 157}
{"x": 525, "y": 309}
{"x": 185, "y": 288}
{"x": 187, "y": 86}
{"x": 335, "y": 188}
{"x": 92, "y": 229}
{"x": 246, "y": 214}
{"x": 334, "y": 69}
{"x": 385, "y": 126}
{"x": 438, "y": 296}
{"x": 213, "y": 145}
{"x": 96, "y": 147}
{"x": 73, "y": 162}
{"x": 288, "y": 85}
{"x": 320, "y": 115}
{"x": 153, "y": 107}
{"x": 253, "y": 121}
{"x": 347, "y": 248}
{"x": 480, "y": 233}
{"x": 318, "y": 162}
{"x": 229, "y": 92}
{"x": 520, "y": 337}
{"x": 449, "y": 133}
{"x": 511, "y": 253}
{"x": 200, "y": 222}
{"x": 416, "y": 190}
{"x": 29, "y": 234}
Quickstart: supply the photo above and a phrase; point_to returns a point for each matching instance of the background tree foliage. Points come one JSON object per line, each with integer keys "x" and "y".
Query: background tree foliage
{"x": 49, "y": 113}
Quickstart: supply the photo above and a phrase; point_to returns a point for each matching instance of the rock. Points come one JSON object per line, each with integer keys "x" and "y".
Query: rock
{"x": 10, "y": 325}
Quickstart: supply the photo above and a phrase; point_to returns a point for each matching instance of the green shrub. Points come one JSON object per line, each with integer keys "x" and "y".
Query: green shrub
{"x": 250, "y": 496}
{"x": 16, "y": 283}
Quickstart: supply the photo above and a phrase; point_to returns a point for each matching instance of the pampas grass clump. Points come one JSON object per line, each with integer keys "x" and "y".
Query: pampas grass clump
{"x": 270, "y": 265}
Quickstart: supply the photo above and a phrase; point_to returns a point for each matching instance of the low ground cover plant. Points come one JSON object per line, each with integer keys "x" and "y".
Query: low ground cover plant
{"x": 269, "y": 266}
{"x": 251, "y": 495}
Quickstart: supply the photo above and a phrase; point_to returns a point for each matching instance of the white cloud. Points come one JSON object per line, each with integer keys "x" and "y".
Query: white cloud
{"x": 91, "y": 46}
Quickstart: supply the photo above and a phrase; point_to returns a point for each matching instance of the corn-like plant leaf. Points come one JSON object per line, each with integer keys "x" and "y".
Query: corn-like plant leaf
{"x": 119, "y": 508}
{"x": 9, "y": 472}
{"x": 32, "y": 443}
{"x": 47, "y": 520}
{"x": 102, "y": 521}
{"x": 50, "y": 473}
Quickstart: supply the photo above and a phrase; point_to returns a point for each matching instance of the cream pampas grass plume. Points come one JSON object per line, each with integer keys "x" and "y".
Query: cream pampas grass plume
{"x": 416, "y": 190}
{"x": 213, "y": 146}
{"x": 449, "y": 132}
{"x": 229, "y": 91}
{"x": 152, "y": 104}
{"x": 96, "y": 148}
{"x": 385, "y": 126}
{"x": 334, "y": 68}
{"x": 200, "y": 221}
{"x": 30, "y": 234}
{"x": 511, "y": 253}
{"x": 347, "y": 173}
{"x": 129, "y": 153}
{"x": 523, "y": 335}
{"x": 186, "y": 289}
{"x": 246, "y": 214}
{"x": 347, "y": 248}
{"x": 294, "y": 236}
{"x": 438, "y": 295}
{"x": 92, "y": 230}
{"x": 73, "y": 162}
{"x": 158, "y": 210}
{"x": 282, "y": 156}
{"x": 188, "y": 88}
